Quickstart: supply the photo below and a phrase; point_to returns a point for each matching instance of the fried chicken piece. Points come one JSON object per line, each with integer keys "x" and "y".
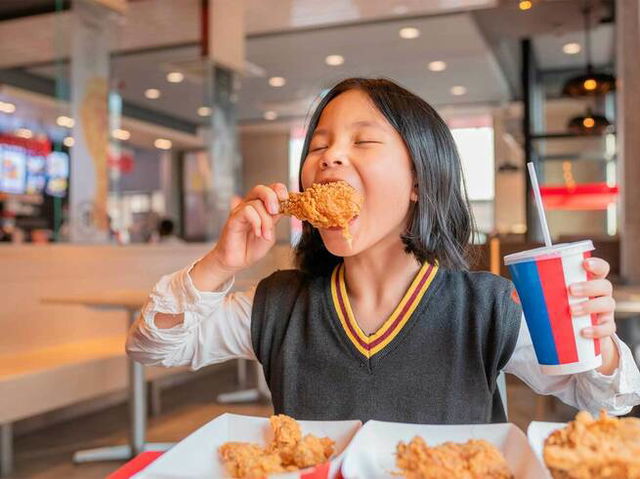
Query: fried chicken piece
{"x": 475, "y": 459}
{"x": 288, "y": 451}
{"x": 325, "y": 205}
{"x": 248, "y": 461}
{"x": 286, "y": 436}
{"x": 588, "y": 448}
{"x": 312, "y": 450}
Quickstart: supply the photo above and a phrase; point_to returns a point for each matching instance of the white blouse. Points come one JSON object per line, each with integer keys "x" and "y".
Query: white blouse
{"x": 217, "y": 328}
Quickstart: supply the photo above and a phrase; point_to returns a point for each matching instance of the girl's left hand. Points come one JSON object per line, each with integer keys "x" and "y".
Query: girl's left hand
{"x": 600, "y": 303}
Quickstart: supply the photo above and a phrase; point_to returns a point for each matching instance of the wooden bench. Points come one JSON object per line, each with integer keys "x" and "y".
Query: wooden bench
{"x": 35, "y": 382}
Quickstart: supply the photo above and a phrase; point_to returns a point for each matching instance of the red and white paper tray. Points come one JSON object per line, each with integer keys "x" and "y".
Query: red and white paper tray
{"x": 196, "y": 456}
{"x": 538, "y": 431}
{"x": 371, "y": 454}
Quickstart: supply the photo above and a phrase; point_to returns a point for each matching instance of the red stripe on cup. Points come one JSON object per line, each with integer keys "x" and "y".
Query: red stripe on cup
{"x": 594, "y": 318}
{"x": 556, "y": 296}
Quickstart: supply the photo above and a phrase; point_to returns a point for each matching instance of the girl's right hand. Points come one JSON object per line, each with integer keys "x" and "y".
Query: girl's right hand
{"x": 247, "y": 236}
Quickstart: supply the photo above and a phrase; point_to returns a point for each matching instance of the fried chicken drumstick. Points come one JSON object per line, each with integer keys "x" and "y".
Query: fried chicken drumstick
{"x": 325, "y": 205}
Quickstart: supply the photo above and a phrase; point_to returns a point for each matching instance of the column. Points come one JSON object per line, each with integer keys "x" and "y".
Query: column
{"x": 224, "y": 46}
{"x": 93, "y": 24}
{"x": 627, "y": 128}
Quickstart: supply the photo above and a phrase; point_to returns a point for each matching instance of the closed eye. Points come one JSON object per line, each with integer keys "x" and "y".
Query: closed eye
{"x": 366, "y": 141}
{"x": 317, "y": 148}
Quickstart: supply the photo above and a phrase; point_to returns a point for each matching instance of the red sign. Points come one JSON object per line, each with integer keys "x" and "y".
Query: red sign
{"x": 586, "y": 196}
{"x": 36, "y": 146}
{"x": 123, "y": 162}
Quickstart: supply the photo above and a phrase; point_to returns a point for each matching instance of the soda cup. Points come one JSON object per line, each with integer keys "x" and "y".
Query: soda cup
{"x": 542, "y": 277}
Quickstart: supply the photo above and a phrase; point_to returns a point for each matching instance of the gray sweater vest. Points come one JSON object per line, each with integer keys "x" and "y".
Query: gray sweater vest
{"x": 441, "y": 368}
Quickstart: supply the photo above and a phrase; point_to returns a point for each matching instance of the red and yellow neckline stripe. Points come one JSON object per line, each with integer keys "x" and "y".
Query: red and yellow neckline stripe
{"x": 370, "y": 345}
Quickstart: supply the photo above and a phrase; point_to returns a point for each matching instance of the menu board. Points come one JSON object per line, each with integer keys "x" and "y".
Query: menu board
{"x": 12, "y": 169}
{"x": 57, "y": 173}
{"x": 36, "y": 174}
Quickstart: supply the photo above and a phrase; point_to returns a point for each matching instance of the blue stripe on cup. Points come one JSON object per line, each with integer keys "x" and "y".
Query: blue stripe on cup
{"x": 527, "y": 281}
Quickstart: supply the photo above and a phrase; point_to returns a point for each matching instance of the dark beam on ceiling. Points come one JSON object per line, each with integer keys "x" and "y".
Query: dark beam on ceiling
{"x": 19, "y": 78}
{"x": 10, "y": 10}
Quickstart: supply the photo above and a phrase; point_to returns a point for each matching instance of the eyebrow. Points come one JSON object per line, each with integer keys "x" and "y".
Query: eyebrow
{"x": 354, "y": 125}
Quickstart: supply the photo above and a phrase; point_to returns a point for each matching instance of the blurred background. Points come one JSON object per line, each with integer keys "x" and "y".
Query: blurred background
{"x": 129, "y": 128}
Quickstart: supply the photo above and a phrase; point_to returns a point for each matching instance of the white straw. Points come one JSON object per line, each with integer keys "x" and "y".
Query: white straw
{"x": 536, "y": 193}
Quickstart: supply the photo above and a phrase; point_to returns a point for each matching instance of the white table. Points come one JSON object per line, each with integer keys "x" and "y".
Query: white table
{"x": 129, "y": 301}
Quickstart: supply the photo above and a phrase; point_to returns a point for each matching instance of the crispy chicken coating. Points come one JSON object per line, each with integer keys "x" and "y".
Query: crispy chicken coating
{"x": 288, "y": 451}
{"x": 475, "y": 459}
{"x": 325, "y": 205}
{"x": 588, "y": 448}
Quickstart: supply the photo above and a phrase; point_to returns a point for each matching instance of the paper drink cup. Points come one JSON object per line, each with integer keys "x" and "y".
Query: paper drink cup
{"x": 542, "y": 277}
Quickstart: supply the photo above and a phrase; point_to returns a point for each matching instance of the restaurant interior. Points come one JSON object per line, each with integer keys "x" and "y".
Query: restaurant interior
{"x": 129, "y": 129}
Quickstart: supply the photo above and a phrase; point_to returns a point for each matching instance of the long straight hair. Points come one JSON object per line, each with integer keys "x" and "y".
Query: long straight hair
{"x": 441, "y": 222}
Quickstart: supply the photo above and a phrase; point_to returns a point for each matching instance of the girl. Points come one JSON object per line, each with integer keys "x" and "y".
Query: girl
{"x": 394, "y": 328}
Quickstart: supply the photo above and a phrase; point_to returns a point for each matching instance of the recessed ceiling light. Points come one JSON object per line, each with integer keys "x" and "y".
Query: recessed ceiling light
{"x": 270, "y": 115}
{"x": 277, "y": 82}
{"x": 163, "y": 144}
{"x": 175, "y": 77}
{"x": 571, "y": 48}
{"x": 120, "y": 134}
{"x": 437, "y": 66}
{"x": 24, "y": 133}
{"x": 65, "y": 121}
{"x": 334, "y": 60}
{"x": 458, "y": 90}
{"x": 525, "y": 4}
{"x": 6, "y": 107}
{"x": 152, "y": 93}
{"x": 409, "y": 33}
{"x": 204, "y": 111}
{"x": 68, "y": 141}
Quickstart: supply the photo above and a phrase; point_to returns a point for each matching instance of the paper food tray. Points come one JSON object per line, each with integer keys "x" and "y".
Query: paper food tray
{"x": 371, "y": 454}
{"x": 538, "y": 431}
{"x": 196, "y": 456}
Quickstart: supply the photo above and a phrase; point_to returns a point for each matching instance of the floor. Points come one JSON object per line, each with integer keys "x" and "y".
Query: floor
{"x": 46, "y": 454}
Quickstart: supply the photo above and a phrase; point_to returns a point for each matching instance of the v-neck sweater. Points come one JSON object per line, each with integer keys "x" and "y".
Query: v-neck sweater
{"x": 437, "y": 362}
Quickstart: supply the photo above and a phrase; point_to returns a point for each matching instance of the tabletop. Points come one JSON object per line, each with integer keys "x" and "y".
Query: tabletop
{"x": 116, "y": 299}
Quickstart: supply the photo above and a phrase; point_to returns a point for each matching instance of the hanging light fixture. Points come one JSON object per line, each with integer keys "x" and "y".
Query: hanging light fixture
{"x": 589, "y": 123}
{"x": 590, "y": 83}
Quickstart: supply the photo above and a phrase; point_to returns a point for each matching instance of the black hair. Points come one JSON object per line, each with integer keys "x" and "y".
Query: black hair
{"x": 441, "y": 222}
{"x": 165, "y": 228}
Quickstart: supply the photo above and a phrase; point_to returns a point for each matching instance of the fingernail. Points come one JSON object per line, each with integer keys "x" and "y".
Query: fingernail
{"x": 587, "y": 332}
{"x": 577, "y": 310}
{"x": 274, "y": 208}
{"x": 577, "y": 289}
{"x": 267, "y": 235}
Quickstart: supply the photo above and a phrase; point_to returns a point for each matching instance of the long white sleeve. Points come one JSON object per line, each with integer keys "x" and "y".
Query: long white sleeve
{"x": 216, "y": 327}
{"x": 590, "y": 390}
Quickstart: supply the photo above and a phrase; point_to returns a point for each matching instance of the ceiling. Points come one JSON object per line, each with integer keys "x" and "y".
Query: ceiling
{"x": 291, "y": 38}
{"x": 369, "y": 50}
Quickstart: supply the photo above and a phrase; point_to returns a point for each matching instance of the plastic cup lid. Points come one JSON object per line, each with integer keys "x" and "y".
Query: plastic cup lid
{"x": 550, "y": 252}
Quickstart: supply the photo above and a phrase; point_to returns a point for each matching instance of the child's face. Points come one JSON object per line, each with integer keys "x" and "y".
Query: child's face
{"x": 354, "y": 142}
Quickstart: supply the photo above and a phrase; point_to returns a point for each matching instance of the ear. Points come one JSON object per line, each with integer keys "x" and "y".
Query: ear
{"x": 414, "y": 193}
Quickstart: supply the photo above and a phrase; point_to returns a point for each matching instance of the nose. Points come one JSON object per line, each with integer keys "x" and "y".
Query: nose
{"x": 333, "y": 158}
